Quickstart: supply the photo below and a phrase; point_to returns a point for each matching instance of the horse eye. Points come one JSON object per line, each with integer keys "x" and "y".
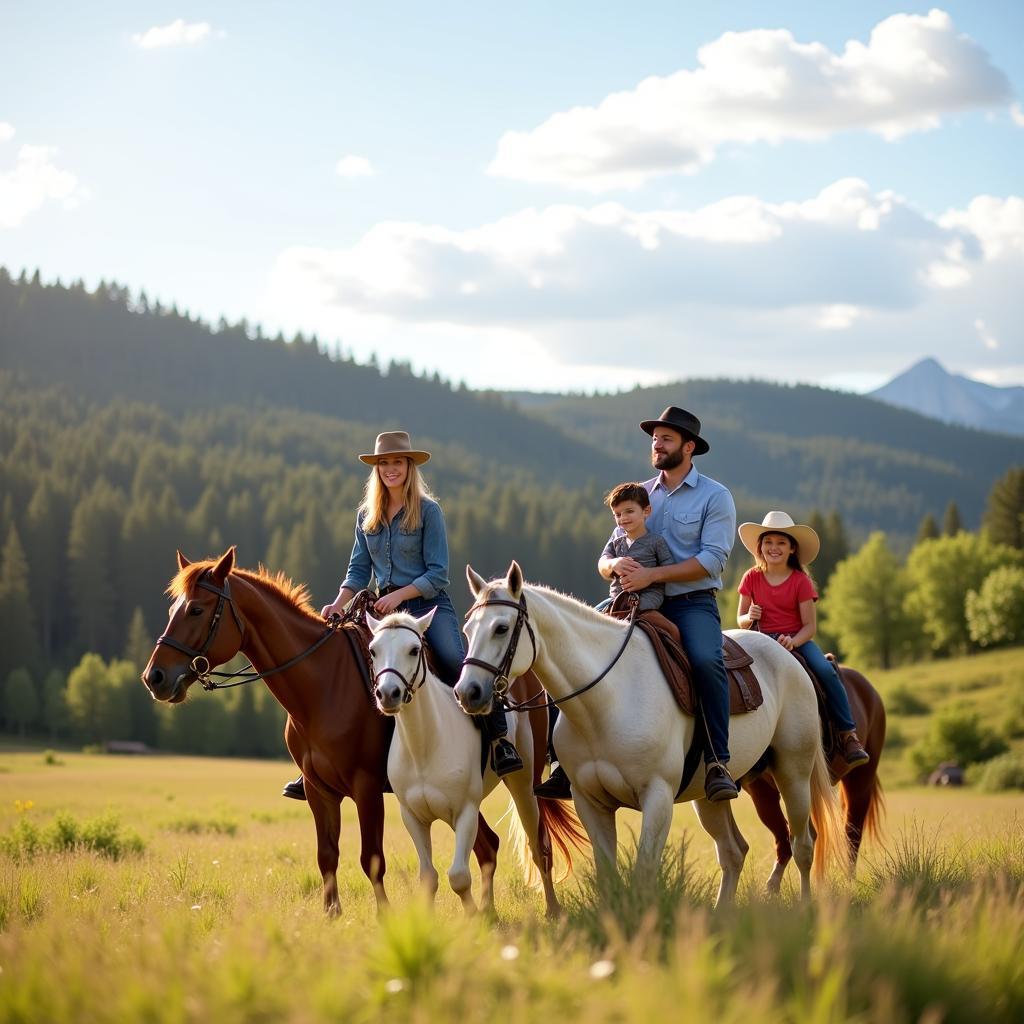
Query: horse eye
{"x": 413, "y": 651}
{"x": 501, "y": 629}
{"x": 195, "y": 609}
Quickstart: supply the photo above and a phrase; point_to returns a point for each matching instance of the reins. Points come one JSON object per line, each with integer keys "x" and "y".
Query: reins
{"x": 501, "y": 672}
{"x": 200, "y": 664}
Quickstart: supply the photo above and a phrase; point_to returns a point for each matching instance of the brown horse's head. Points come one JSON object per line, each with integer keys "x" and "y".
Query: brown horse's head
{"x": 203, "y": 628}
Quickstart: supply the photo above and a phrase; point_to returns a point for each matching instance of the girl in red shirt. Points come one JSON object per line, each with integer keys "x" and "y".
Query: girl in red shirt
{"x": 777, "y": 597}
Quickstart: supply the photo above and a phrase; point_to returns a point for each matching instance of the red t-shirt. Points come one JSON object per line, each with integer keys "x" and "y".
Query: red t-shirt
{"x": 780, "y": 606}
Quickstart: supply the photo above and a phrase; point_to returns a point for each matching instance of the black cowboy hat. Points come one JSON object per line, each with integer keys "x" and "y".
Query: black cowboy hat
{"x": 685, "y": 422}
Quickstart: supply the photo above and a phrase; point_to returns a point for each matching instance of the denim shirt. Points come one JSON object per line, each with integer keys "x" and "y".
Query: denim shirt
{"x": 397, "y": 558}
{"x": 697, "y": 520}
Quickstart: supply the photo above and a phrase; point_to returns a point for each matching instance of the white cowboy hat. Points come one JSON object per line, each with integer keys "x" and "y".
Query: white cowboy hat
{"x": 807, "y": 540}
{"x": 394, "y": 442}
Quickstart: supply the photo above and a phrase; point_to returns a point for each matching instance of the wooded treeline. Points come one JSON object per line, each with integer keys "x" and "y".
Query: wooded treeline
{"x": 127, "y": 430}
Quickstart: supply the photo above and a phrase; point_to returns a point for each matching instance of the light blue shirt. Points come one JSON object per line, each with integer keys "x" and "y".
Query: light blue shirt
{"x": 397, "y": 558}
{"x": 697, "y": 520}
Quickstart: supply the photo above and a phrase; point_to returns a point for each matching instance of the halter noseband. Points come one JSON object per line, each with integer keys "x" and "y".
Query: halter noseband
{"x": 408, "y": 688}
{"x": 200, "y": 664}
{"x": 501, "y": 671}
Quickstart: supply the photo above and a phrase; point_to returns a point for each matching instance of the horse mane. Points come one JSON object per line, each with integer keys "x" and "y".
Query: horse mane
{"x": 296, "y": 594}
{"x": 586, "y": 610}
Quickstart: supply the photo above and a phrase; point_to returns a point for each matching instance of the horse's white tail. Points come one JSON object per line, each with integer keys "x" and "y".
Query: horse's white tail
{"x": 559, "y": 827}
{"x": 830, "y": 845}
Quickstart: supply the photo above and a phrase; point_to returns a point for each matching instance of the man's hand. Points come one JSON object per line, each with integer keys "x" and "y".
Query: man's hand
{"x": 636, "y": 577}
{"x": 334, "y": 608}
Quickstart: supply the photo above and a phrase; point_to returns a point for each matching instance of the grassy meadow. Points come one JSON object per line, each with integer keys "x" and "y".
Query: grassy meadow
{"x": 171, "y": 889}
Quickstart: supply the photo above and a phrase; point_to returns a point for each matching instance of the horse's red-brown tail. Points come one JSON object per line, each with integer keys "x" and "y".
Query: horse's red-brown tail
{"x": 829, "y": 843}
{"x": 559, "y": 830}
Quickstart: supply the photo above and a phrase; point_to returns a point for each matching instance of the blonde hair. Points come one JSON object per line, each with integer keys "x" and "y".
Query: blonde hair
{"x": 373, "y": 509}
{"x": 793, "y": 561}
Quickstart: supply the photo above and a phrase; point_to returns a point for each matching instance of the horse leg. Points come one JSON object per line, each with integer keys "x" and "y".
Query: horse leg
{"x": 796, "y": 794}
{"x": 730, "y": 846}
{"x": 768, "y": 804}
{"x": 459, "y": 876}
{"x": 520, "y": 785}
{"x": 419, "y": 832}
{"x": 857, "y": 795}
{"x": 600, "y": 825}
{"x": 370, "y": 810}
{"x": 486, "y": 850}
{"x": 327, "y": 817}
{"x": 656, "y": 807}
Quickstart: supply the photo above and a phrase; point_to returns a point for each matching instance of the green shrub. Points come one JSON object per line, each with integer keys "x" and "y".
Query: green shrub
{"x": 1003, "y": 772}
{"x": 955, "y": 735}
{"x": 995, "y": 611}
{"x": 64, "y": 834}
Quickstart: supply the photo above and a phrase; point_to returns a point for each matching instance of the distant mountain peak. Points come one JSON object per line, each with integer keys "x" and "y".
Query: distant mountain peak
{"x": 931, "y": 390}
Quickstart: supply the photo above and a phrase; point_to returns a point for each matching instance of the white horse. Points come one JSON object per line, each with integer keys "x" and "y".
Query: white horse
{"x": 624, "y": 740}
{"x": 434, "y": 768}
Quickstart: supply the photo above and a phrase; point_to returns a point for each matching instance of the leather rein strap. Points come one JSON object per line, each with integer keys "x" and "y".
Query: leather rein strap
{"x": 200, "y": 664}
{"x": 501, "y": 672}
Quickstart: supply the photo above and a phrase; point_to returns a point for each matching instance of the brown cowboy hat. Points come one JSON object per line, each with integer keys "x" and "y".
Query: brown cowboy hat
{"x": 807, "y": 542}
{"x": 391, "y": 443}
{"x": 685, "y": 422}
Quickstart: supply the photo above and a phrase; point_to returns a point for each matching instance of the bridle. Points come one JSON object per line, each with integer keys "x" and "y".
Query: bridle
{"x": 200, "y": 664}
{"x": 500, "y": 671}
{"x": 408, "y": 687}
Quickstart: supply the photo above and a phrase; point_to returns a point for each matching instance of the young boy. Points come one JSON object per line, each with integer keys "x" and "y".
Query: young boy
{"x": 631, "y": 505}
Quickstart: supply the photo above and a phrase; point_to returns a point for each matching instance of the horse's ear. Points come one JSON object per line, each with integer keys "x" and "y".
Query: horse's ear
{"x": 373, "y": 623}
{"x": 475, "y": 580}
{"x": 225, "y": 565}
{"x": 183, "y": 562}
{"x": 424, "y": 621}
{"x": 514, "y": 580}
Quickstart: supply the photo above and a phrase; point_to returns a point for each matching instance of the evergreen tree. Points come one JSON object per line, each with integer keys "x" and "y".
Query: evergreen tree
{"x": 952, "y": 524}
{"x": 928, "y": 530}
{"x": 1004, "y": 513}
{"x": 17, "y": 629}
{"x": 55, "y": 713}
{"x": 46, "y": 529}
{"x": 21, "y": 705}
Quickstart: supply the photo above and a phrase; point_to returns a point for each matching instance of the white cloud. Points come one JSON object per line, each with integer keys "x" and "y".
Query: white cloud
{"x": 177, "y": 33}
{"x": 1017, "y": 114}
{"x": 353, "y": 167}
{"x": 987, "y": 338}
{"x": 759, "y": 86}
{"x": 34, "y": 180}
{"x": 6, "y": 131}
{"x": 843, "y": 281}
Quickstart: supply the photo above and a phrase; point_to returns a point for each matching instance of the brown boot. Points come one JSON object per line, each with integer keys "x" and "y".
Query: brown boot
{"x": 853, "y": 751}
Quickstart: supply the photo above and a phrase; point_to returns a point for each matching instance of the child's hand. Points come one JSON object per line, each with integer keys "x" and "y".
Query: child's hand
{"x": 787, "y": 641}
{"x": 754, "y": 613}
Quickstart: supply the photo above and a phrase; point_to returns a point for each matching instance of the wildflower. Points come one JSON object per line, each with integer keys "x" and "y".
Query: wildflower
{"x": 510, "y": 952}
{"x": 602, "y": 969}
{"x": 394, "y": 985}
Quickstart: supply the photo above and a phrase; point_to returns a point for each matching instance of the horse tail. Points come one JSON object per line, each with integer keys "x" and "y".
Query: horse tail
{"x": 558, "y": 826}
{"x": 830, "y": 844}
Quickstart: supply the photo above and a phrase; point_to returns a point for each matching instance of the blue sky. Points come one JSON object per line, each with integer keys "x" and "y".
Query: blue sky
{"x": 557, "y": 196}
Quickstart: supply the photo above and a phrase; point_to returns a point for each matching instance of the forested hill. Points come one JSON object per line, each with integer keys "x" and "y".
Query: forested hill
{"x": 107, "y": 348}
{"x": 803, "y": 447}
{"x": 775, "y": 446}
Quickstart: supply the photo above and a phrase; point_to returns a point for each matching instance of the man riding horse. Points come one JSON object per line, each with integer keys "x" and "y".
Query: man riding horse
{"x": 697, "y": 518}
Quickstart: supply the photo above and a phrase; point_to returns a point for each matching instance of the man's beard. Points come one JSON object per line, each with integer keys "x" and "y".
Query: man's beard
{"x": 667, "y": 460}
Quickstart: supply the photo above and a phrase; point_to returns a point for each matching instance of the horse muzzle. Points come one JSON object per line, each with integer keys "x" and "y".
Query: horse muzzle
{"x": 389, "y": 699}
{"x": 168, "y": 687}
{"x": 473, "y": 696}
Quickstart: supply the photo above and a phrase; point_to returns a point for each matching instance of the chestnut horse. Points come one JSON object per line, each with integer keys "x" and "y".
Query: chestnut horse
{"x": 334, "y": 731}
{"x": 861, "y": 789}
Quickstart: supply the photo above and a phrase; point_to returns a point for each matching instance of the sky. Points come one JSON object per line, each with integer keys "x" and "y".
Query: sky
{"x": 553, "y": 196}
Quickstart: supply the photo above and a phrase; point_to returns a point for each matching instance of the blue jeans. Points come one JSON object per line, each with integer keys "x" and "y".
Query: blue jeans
{"x": 444, "y": 635}
{"x": 836, "y": 701}
{"x": 700, "y": 628}
{"x": 445, "y": 639}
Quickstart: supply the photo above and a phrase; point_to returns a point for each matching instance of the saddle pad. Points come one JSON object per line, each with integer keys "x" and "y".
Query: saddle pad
{"x": 744, "y": 689}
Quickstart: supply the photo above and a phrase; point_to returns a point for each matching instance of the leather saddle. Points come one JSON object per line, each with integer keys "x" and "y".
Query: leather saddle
{"x": 744, "y": 689}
